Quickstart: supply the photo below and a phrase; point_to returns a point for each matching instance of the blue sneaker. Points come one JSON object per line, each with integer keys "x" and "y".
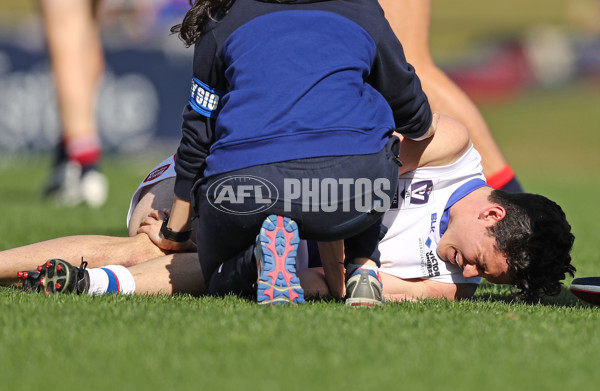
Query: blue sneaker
{"x": 277, "y": 244}
{"x": 364, "y": 288}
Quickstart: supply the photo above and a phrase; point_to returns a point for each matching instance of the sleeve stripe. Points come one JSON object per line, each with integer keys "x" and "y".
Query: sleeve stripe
{"x": 204, "y": 99}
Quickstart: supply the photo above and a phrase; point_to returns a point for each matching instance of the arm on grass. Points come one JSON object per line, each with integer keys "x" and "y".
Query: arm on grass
{"x": 398, "y": 289}
{"x": 394, "y": 289}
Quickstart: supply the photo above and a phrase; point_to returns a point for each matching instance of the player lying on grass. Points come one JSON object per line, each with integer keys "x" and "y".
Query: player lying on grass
{"x": 446, "y": 230}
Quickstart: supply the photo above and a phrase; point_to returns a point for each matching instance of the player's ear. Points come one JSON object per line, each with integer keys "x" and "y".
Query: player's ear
{"x": 493, "y": 212}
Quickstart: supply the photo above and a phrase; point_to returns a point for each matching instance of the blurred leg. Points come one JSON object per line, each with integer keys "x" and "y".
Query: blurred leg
{"x": 410, "y": 20}
{"x": 75, "y": 50}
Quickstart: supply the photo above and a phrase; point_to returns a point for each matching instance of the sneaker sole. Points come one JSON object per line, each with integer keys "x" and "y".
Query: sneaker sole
{"x": 55, "y": 276}
{"x": 278, "y": 282}
{"x": 363, "y": 302}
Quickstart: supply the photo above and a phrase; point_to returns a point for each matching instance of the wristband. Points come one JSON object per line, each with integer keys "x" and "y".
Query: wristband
{"x": 174, "y": 236}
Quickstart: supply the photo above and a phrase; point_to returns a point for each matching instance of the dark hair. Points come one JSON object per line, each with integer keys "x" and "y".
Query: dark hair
{"x": 203, "y": 10}
{"x": 536, "y": 239}
{"x": 191, "y": 27}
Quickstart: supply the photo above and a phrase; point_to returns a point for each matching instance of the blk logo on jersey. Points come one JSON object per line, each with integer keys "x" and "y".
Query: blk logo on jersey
{"x": 429, "y": 240}
{"x": 433, "y": 221}
{"x": 420, "y": 192}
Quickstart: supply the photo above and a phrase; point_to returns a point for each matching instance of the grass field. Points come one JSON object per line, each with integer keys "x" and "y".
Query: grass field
{"x": 182, "y": 343}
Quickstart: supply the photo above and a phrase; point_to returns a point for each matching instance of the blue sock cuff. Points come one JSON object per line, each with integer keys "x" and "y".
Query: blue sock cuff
{"x": 113, "y": 281}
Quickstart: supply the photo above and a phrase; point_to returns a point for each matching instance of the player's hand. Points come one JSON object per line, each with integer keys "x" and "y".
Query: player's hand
{"x": 151, "y": 227}
{"x": 153, "y": 222}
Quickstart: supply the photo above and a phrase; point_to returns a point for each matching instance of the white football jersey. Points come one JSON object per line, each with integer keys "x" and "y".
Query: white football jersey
{"x": 408, "y": 250}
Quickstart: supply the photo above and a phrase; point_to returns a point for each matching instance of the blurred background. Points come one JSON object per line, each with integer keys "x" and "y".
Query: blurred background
{"x": 496, "y": 51}
{"x": 142, "y": 92}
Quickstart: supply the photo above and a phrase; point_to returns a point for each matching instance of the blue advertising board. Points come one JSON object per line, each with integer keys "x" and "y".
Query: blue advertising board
{"x": 140, "y": 99}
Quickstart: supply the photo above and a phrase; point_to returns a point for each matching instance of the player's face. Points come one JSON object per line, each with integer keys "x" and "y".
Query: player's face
{"x": 469, "y": 245}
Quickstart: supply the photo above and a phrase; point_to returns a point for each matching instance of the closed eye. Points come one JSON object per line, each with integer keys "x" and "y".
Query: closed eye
{"x": 480, "y": 266}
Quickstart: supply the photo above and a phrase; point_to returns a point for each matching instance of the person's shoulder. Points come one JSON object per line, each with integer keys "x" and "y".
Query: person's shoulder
{"x": 448, "y": 144}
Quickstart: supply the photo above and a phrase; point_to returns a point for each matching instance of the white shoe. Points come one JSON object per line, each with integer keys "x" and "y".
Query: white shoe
{"x": 69, "y": 188}
{"x": 94, "y": 188}
{"x": 63, "y": 186}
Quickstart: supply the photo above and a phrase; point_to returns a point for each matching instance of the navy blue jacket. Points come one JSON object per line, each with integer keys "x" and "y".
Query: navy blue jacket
{"x": 275, "y": 82}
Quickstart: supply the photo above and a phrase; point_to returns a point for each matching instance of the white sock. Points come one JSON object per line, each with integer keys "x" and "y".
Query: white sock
{"x": 111, "y": 279}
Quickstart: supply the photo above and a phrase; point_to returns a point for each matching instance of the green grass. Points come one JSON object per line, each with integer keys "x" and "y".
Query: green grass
{"x": 182, "y": 343}
{"x": 458, "y": 25}
{"x": 489, "y": 343}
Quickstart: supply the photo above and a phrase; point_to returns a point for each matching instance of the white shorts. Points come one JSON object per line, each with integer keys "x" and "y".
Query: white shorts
{"x": 164, "y": 170}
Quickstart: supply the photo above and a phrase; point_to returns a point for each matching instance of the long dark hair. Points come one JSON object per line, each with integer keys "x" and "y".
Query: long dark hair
{"x": 202, "y": 10}
{"x": 191, "y": 27}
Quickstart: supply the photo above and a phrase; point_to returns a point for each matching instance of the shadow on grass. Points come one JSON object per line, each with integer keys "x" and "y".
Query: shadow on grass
{"x": 325, "y": 298}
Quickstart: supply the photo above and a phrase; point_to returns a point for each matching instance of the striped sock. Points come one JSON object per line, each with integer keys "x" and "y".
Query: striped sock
{"x": 86, "y": 151}
{"x": 506, "y": 180}
{"x": 111, "y": 279}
